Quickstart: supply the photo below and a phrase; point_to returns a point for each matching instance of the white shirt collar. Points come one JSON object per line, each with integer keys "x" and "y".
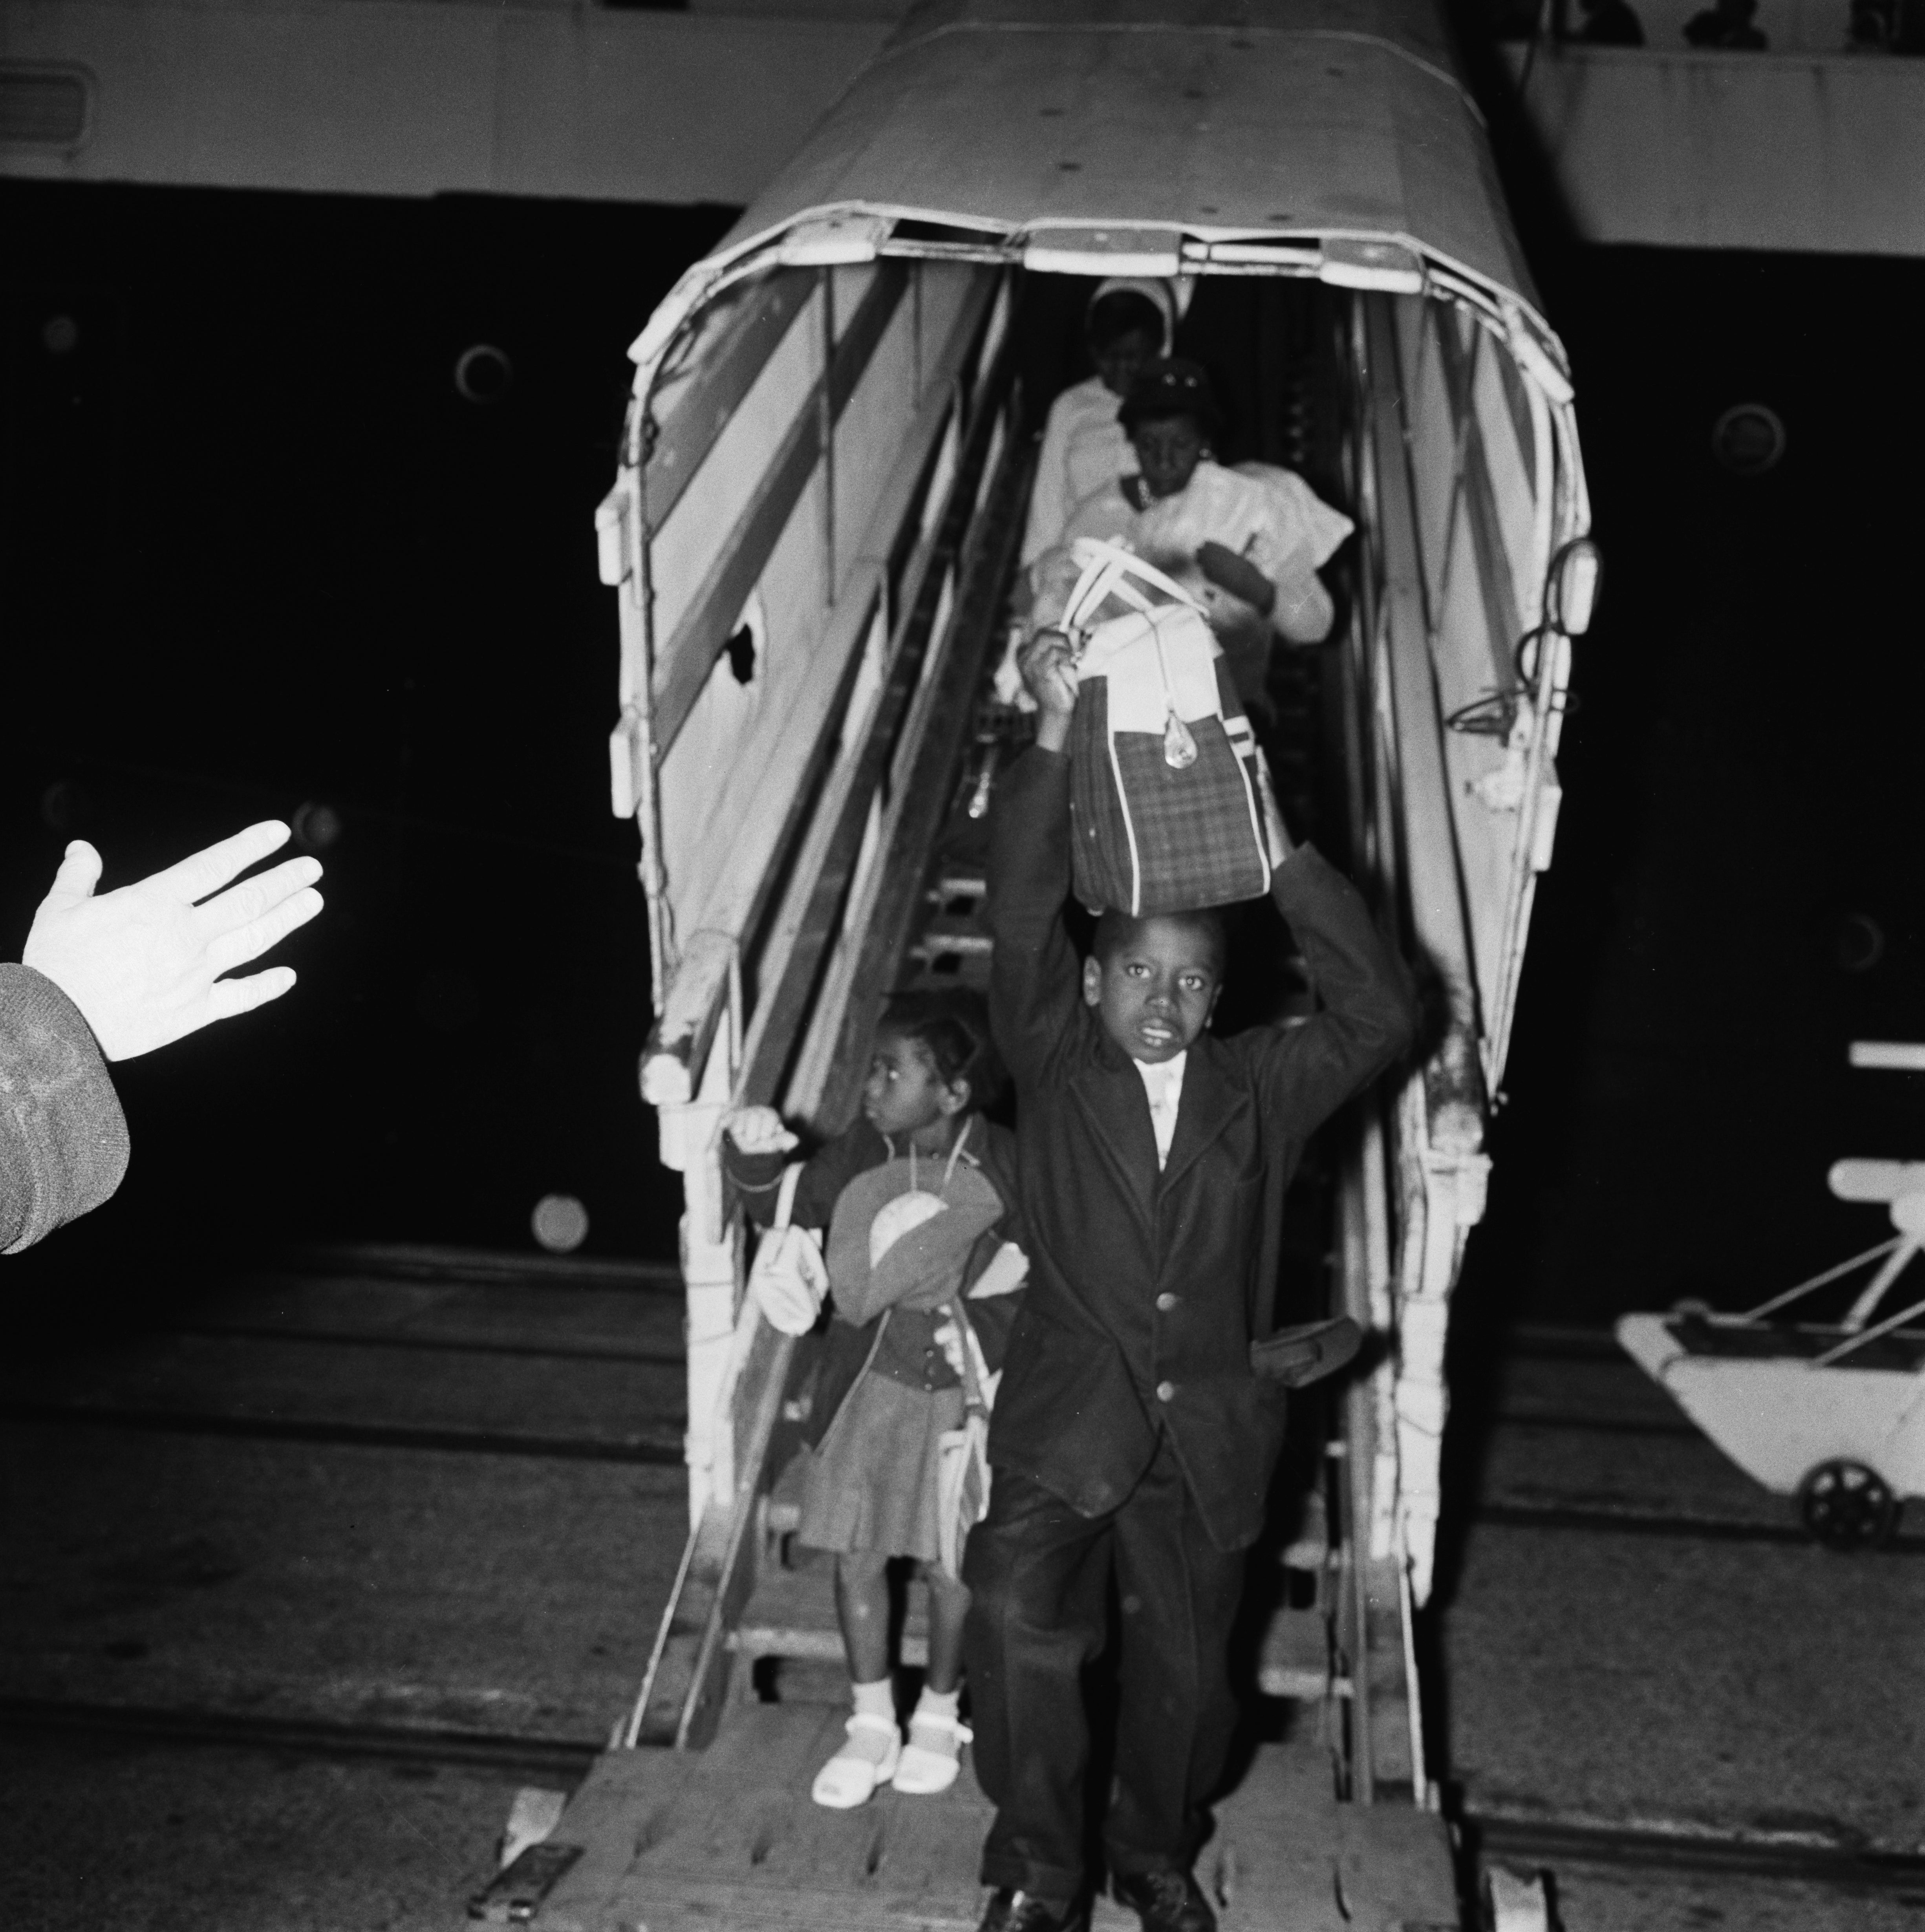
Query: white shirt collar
{"x": 1163, "y": 1082}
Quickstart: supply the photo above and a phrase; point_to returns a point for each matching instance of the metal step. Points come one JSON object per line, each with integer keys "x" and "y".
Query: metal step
{"x": 791, "y": 1613}
{"x": 1294, "y": 1662}
{"x": 937, "y": 939}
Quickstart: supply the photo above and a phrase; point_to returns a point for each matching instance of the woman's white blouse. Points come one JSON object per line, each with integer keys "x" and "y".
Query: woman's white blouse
{"x": 1269, "y": 515}
{"x": 1084, "y": 450}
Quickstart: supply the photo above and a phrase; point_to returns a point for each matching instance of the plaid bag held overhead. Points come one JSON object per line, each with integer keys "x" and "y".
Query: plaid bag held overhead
{"x": 1164, "y": 787}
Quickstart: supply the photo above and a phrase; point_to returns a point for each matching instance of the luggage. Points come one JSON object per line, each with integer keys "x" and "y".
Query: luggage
{"x": 1164, "y": 797}
{"x": 787, "y": 1279}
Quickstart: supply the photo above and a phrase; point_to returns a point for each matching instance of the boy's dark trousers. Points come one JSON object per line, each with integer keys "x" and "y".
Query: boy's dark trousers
{"x": 1038, "y": 1576}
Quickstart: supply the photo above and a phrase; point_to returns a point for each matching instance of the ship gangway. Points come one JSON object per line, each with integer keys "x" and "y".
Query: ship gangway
{"x": 823, "y": 477}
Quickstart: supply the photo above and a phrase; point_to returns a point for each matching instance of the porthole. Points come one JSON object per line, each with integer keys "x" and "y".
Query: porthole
{"x": 1749, "y": 438}
{"x": 63, "y": 806}
{"x": 315, "y": 826}
{"x": 1859, "y": 944}
{"x": 483, "y": 373}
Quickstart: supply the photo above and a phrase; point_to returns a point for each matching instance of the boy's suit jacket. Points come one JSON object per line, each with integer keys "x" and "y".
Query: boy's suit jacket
{"x": 1145, "y": 1288}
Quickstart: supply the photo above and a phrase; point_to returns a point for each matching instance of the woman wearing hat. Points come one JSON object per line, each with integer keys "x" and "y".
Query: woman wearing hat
{"x": 1246, "y": 542}
{"x": 1129, "y": 322}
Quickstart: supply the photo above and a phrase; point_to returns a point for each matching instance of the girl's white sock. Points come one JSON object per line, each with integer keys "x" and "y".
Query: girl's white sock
{"x": 937, "y": 1703}
{"x": 874, "y": 1700}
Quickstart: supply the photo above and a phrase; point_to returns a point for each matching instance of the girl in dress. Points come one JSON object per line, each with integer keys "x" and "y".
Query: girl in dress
{"x": 917, "y": 1197}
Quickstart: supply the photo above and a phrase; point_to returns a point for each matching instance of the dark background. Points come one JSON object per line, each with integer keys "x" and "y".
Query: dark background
{"x": 258, "y": 552}
{"x": 1742, "y": 793}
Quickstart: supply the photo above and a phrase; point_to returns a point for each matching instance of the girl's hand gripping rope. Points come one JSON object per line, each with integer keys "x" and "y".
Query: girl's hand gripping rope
{"x": 758, "y": 1130}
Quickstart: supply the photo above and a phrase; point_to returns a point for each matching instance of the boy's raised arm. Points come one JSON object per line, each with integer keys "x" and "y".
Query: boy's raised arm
{"x": 1032, "y": 982}
{"x": 1369, "y": 1010}
{"x": 1034, "y": 977}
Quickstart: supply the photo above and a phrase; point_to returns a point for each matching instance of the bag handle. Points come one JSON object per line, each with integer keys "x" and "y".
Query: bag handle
{"x": 1106, "y": 568}
{"x": 1126, "y": 561}
{"x": 1102, "y": 576}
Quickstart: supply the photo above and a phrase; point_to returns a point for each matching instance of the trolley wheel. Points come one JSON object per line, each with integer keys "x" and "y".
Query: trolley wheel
{"x": 1847, "y": 1506}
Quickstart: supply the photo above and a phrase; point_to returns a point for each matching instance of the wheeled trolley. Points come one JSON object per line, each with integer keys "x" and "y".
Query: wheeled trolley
{"x": 1833, "y": 1413}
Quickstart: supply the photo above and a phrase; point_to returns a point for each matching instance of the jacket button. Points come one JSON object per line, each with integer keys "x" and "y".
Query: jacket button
{"x": 1165, "y": 1391}
{"x": 1167, "y": 1302}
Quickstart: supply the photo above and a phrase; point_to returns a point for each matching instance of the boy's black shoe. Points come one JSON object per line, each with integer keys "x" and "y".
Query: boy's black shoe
{"x": 1166, "y": 1901}
{"x": 1296, "y": 1357}
{"x": 1013, "y": 1911}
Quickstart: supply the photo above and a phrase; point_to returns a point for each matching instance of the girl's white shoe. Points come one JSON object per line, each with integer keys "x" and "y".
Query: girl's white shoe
{"x": 846, "y": 1780}
{"x": 930, "y": 1767}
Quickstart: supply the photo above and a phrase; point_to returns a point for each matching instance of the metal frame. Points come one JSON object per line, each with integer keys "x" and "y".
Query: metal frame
{"x": 768, "y": 1008}
{"x": 1415, "y": 1172}
{"x": 769, "y": 1013}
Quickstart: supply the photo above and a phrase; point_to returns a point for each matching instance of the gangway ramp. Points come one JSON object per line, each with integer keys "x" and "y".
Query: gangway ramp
{"x": 824, "y": 467}
{"x": 727, "y": 1840}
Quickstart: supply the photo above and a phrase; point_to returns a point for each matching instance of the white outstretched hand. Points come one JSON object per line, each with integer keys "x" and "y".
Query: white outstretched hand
{"x": 143, "y": 963}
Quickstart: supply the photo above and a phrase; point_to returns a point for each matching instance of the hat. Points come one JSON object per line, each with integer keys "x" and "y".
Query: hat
{"x": 1170, "y": 387}
{"x": 1161, "y": 295}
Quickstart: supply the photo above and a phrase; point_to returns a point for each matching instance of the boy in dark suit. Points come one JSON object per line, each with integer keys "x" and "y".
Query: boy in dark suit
{"x": 1131, "y": 1437}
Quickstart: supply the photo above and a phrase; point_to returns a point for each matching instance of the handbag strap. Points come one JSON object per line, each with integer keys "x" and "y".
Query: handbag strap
{"x": 973, "y": 1397}
{"x": 785, "y": 1197}
{"x": 869, "y": 1360}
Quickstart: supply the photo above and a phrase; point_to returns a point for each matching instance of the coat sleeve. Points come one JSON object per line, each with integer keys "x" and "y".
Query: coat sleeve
{"x": 63, "y": 1137}
{"x": 1297, "y": 534}
{"x": 992, "y": 1320}
{"x": 994, "y": 1316}
{"x": 1034, "y": 977}
{"x": 1368, "y": 1018}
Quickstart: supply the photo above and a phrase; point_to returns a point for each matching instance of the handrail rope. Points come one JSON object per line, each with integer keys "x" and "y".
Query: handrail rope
{"x": 631, "y": 1731}
{"x": 795, "y": 841}
{"x": 748, "y": 1474}
{"x": 1491, "y": 714}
